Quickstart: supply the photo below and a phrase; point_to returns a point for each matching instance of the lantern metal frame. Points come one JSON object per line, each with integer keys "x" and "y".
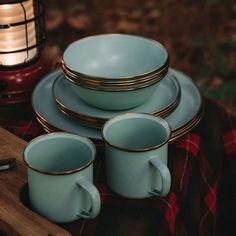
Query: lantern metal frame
{"x": 39, "y": 20}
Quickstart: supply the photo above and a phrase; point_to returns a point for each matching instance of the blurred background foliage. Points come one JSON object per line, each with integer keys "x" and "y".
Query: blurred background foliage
{"x": 200, "y": 35}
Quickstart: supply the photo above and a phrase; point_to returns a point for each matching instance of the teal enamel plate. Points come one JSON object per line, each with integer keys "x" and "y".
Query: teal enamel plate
{"x": 45, "y": 107}
{"x": 167, "y": 93}
{"x": 190, "y": 102}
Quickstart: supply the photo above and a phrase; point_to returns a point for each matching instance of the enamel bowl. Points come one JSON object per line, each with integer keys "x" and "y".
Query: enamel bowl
{"x": 115, "y": 99}
{"x": 115, "y": 71}
{"x": 115, "y": 57}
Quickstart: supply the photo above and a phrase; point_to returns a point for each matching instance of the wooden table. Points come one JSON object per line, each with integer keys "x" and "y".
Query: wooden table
{"x": 15, "y": 217}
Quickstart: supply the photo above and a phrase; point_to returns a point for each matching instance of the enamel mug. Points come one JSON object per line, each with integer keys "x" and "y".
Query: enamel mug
{"x": 60, "y": 177}
{"x": 136, "y": 155}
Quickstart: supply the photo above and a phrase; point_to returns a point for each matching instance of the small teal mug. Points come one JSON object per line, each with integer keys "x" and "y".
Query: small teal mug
{"x": 136, "y": 155}
{"x": 60, "y": 177}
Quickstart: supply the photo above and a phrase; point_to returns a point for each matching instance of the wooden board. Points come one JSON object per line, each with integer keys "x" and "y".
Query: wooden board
{"x": 15, "y": 217}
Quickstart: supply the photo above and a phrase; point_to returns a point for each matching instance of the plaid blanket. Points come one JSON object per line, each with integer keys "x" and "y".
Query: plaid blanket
{"x": 202, "y": 200}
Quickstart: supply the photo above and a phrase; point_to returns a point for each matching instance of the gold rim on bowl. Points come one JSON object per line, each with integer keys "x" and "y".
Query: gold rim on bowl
{"x": 165, "y": 63}
{"x": 112, "y": 89}
{"x": 87, "y": 77}
{"x": 101, "y": 85}
{"x": 111, "y": 82}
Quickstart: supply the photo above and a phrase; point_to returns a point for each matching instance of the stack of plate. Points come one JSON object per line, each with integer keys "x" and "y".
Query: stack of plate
{"x": 59, "y": 107}
{"x": 69, "y": 103}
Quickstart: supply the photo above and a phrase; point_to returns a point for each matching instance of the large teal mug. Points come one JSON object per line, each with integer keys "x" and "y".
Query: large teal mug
{"x": 60, "y": 177}
{"x": 136, "y": 155}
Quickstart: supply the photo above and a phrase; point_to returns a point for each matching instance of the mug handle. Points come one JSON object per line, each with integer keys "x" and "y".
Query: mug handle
{"x": 95, "y": 198}
{"x": 165, "y": 177}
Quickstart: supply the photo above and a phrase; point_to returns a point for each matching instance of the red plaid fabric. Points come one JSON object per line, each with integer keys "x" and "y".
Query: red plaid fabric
{"x": 202, "y": 200}
{"x": 190, "y": 143}
{"x": 230, "y": 141}
{"x": 210, "y": 199}
{"x": 172, "y": 212}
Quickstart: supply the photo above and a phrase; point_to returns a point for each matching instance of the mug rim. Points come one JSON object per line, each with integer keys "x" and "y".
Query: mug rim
{"x": 60, "y": 134}
{"x": 163, "y": 122}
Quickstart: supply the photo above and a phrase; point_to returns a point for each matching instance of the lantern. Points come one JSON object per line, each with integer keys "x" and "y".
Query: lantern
{"x": 22, "y": 37}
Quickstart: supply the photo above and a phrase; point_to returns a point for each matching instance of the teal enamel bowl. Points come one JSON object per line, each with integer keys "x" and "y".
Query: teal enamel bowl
{"x": 115, "y": 57}
{"x": 114, "y": 99}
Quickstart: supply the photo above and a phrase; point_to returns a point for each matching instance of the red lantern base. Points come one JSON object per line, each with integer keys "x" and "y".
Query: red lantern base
{"x": 16, "y": 86}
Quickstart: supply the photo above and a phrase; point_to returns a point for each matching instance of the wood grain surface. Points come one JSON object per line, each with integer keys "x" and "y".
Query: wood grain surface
{"x": 15, "y": 217}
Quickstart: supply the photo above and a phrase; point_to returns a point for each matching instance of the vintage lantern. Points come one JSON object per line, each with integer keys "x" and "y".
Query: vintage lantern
{"x": 22, "y": 37}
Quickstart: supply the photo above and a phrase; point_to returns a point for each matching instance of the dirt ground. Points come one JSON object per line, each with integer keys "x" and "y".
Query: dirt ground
{"x": 200, "y": 35}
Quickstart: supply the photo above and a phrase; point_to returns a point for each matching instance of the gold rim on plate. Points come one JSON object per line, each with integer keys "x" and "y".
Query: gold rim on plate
{"x": 50, "y": 129}
{"x": 202, "y": 105}
{"x": 47, "y": 125}
{"x": 185, "y": 132}
{"x": 174, "y": 136}
{"x": 180, "y": 133}
{"x": 96, "y": 122}
{"x": 187, "y": 127}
